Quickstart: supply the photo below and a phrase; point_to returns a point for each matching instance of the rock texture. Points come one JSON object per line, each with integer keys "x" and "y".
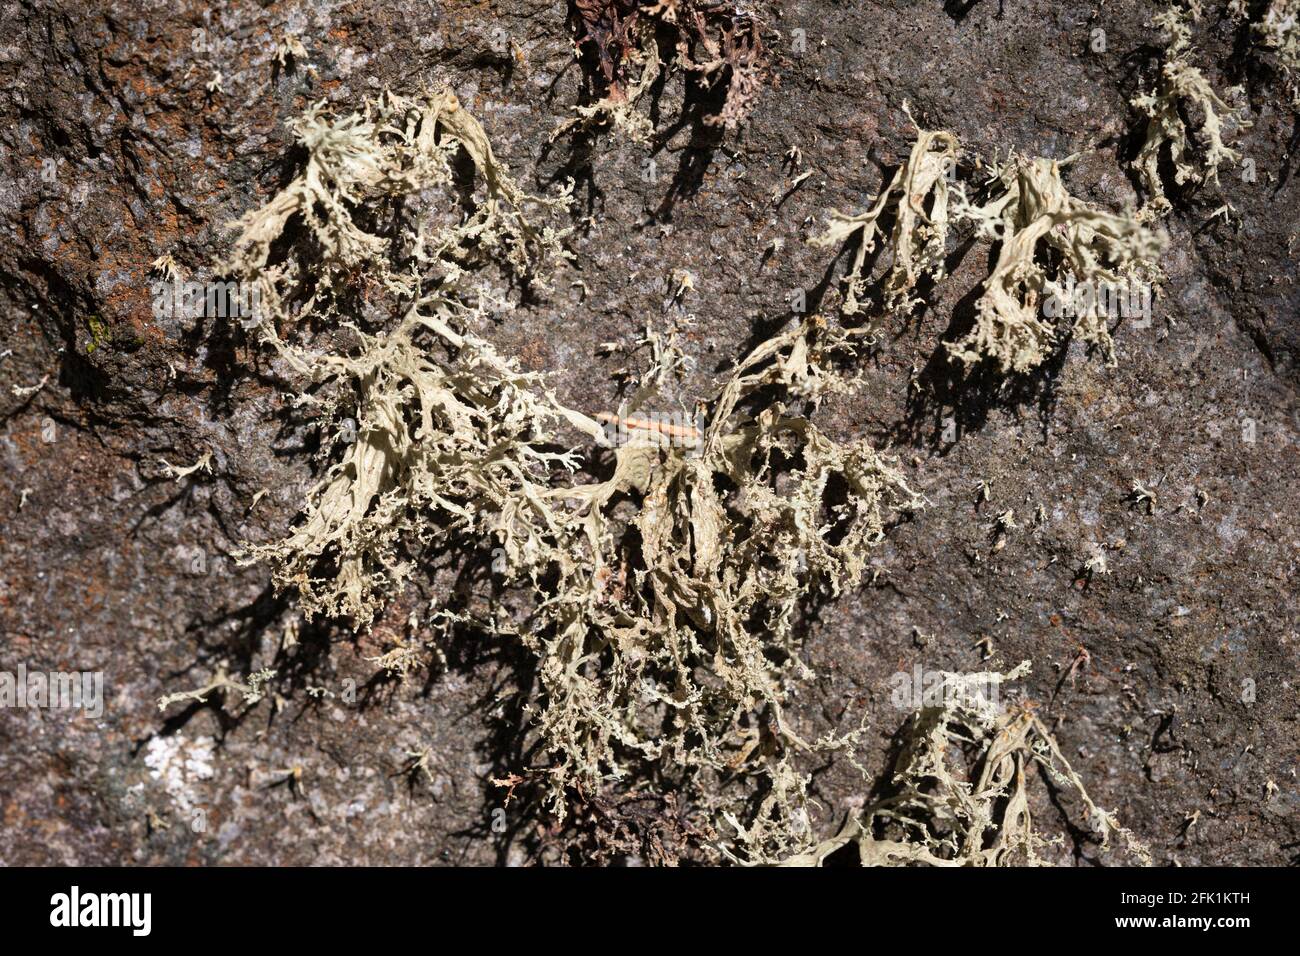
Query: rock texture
{"x": 1171, "y": 680}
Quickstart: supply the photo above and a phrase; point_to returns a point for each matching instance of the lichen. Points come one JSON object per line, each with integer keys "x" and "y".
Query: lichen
{"x": 1279, "y": 32}
{"x": 1182, "y": 90}
{"x": 431, "y": 431}
{"x": 450, "y": 440}
{"x": 250, "y": 690}
{"x": 676, "y": 644}
{"x": 666, "y": 596}
{"x": 617, "y": 109}
{"x": 941, "y": 810}
{"x": 918, "y": 194}
{"x": 1049, "y": 242}
{"x": 357, "y": 168}
{"x": 1047, "y": 235}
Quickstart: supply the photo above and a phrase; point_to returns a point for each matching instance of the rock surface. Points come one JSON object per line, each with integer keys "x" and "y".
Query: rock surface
{"x": 1171, "y": 679}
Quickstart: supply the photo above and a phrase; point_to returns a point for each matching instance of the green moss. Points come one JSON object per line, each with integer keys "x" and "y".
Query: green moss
{"x": 100, "y": 334}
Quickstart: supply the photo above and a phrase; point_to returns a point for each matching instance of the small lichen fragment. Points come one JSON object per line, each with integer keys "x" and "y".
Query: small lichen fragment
{"x": 1181, "y": 90}
{"x": 918, "y": 193}
{"x": 1279, "y": 32}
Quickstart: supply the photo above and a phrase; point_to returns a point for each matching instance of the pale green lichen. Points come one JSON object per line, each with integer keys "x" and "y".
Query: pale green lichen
{"x": 433, "y": 432}
{"x": 918, "y": 195}
{"x": 1279, "y": 32}
{"x": 677, "y": 645}
{"x": 617, "y": 109}
{"x": 1180, "y": 90}
{"x": 665, "y": 632}
{"x": 1046, "y": 235}
{"x": 250, "y": 690}
{"x": 941, "y": 810}
{"x": 357, "y": 167}
{"x": 450, "y": 440}
{"x": 1049, "y": 241}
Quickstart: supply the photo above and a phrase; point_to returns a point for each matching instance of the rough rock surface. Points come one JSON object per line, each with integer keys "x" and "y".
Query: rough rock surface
{"x": 106, "y": 564}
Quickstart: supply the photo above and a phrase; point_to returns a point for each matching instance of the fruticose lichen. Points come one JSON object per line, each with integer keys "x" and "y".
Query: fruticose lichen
{"x": 918, "y": 193}
{"x": 1051, "y": 244}
{"x": 943, "y": 810}
{"x": 432, "y": 430}
{"x": 1277, "y": 32}
{"x": 665, "y": 597}
{"x": 1046, "y": 235}
{"x": 450, "y": 440}
{"x": 1180, "y": 90}
{"x": 357, "y": 168}
{"x": 718, "y": 45}
{"x": 676, "y": 644}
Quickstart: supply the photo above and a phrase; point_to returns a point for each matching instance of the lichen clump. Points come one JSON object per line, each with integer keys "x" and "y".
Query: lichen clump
{"x": 677, "y": 643}
{"x": 959, "y": 791}
{"x": 1279, "y": 32}
{"x": 451, "y": 440}
{"x": 358, "y": 168}
{"x": 1181, "y": 90}
{"x": 918, "y": 196}
{"x": 1046, "y": 235}
{"x": 415, "y": 415}
{"x": 1049, "y": 242}
{"x": 663, "y": 598}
